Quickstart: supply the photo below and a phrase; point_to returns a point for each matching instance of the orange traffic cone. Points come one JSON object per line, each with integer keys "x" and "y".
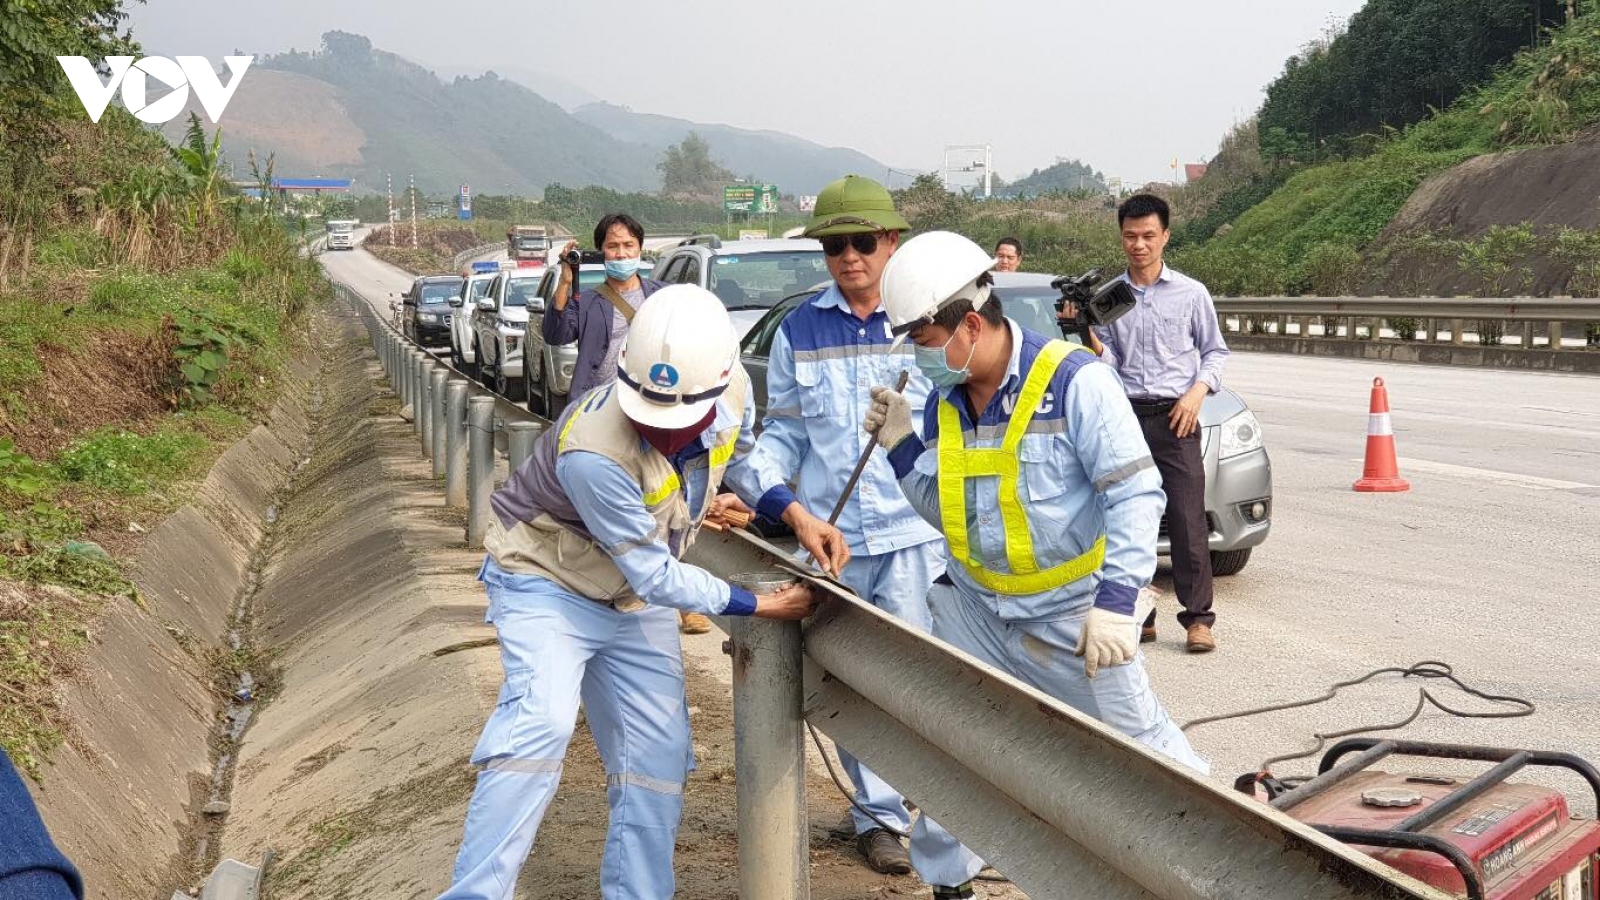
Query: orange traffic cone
{"x": 1381, "y": 474}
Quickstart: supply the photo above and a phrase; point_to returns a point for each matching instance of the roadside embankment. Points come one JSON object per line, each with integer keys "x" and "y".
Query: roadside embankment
{"x": 135, "y": 770}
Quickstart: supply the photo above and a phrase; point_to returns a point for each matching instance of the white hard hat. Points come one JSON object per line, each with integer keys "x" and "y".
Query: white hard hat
{"x": 928, "y": 272}
{"x": 677, "y": 358}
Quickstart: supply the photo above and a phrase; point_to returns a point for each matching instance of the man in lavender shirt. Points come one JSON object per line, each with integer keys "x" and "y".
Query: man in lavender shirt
{"x": 1169, "y": 352}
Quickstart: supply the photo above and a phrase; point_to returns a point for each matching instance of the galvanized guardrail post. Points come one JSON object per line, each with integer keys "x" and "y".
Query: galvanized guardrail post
{"x": 480, "y": 467}
{"x": 417, "y": 358}
{"x": 407, "y": 379}
{"x": 436, "y": 413}
{"x": 769, "y": 760}
{"x": 455, "y": 444}
{"x": 425, "y": 405}
{"x": 520, "y": 437}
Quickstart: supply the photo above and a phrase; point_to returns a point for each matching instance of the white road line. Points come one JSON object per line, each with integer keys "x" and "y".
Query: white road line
{"x": 1516, "y": 479}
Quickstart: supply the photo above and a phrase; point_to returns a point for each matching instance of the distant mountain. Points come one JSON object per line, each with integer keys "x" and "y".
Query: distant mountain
{"x": 795, "y": 165}
{"x": 352, "y": 111}
{"x": 554, "y": 88}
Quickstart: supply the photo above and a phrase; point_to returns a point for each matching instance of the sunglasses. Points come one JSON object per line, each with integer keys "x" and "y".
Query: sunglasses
{"x": 865, "y": 244}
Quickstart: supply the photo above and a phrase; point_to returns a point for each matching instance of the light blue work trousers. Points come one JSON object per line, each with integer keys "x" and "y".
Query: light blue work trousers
{"x": 897, "y": 583}
{"x": 1040, "y": 654}
{"x": 628, "y": 669}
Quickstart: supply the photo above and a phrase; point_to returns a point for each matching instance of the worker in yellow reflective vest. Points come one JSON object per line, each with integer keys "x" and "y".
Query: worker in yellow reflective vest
{"x": 1035, "y": 470}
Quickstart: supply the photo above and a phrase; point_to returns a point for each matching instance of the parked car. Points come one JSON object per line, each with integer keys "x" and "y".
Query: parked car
{"x": 499, "y": 321}
{"x": 1238, "y": 471}
{"x": 750, "y": 277}
{"x": 462, "y": 305}
{"x": 548, "y": 368}
{"x": 425, "y": 309}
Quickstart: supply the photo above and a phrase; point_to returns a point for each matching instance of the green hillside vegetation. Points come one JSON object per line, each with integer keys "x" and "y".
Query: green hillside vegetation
{"x": 1396, "y": 62}
{"x": 1308, "y": 235}
{"x": 147, "y": 312}
{"x": 1065, "y": 177}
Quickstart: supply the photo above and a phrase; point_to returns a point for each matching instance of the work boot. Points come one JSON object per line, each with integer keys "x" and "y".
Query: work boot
{"x": 959, "y": 892}
{"x": 693, "y": 623}
{"x": 884, "y": 852}
{"x": 1200, "y": 639}
{"x": 1147, "y": 634}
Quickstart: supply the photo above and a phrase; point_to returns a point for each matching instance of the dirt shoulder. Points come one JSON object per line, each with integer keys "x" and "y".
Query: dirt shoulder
{"x": 356, "y": 775}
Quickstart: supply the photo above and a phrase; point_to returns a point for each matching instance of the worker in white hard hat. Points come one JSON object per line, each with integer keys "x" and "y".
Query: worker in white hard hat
{"x": 584, "y": 580}
{"x": 1032, "y": 465}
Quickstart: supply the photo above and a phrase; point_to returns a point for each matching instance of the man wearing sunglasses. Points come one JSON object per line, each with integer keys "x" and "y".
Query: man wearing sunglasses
{"x": 826, "y": 356}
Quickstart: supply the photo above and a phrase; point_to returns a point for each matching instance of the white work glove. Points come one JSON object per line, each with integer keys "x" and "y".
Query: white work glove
{"x": 1107, "y": 639}
{"x": 889, "y": 418}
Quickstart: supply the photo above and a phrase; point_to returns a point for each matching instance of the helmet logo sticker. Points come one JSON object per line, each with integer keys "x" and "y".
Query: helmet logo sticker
{"x": 663, "y": 375}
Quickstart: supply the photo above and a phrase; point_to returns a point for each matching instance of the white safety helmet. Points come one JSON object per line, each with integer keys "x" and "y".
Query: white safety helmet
{"x": 677, "y": 358}
{"x": 929, "y": 272}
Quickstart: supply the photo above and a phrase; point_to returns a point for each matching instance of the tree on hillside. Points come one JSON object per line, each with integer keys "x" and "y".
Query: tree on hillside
{"x": 1396, "y": 60}
{"x": 1068, "y": 176}
{"x": 688, "y": 169}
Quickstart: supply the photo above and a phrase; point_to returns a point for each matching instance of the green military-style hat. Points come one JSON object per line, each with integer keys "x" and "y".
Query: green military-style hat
{"x": 854, "y": 205}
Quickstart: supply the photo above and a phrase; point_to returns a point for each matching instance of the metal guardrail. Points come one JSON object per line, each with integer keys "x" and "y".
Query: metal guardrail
{"x": 471, "y": 253}
{"x": 1063, "y": 805}
{"x": 1456, "y": 317}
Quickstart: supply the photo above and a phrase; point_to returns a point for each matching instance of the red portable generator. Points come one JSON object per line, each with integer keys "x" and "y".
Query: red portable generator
{"x": 1483, "y": 838}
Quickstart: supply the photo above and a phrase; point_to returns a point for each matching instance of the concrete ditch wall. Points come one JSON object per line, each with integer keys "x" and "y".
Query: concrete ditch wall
{"x": 120, "y": 795}
{"x": 355, "y": 774}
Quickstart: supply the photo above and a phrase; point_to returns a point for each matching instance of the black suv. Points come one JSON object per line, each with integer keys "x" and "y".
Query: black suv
{"x": 425, "y": 316}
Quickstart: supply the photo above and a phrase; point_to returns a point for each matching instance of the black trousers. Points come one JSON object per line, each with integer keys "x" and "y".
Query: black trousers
{"x": 1183, "y": 477}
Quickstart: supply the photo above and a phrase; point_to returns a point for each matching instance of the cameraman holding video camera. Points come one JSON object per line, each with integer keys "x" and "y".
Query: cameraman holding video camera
{"x": 597, "y": 319}
{"x": 1170, "y": 352}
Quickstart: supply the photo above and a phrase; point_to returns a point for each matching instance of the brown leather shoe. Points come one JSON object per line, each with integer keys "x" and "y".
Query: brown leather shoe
{"x": 884, "y": 852}
{"x": 1147, "y": 634}
{"x": 693, "y": 623}
{"x": 1200, "y": 639}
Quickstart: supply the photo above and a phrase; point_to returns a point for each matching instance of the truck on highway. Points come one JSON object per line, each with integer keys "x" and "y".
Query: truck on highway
{"x": 527, "y": 242}
{"x": 341, "y": 234}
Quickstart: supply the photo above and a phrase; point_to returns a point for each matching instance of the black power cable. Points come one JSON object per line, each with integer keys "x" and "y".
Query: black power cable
{"x": 1426, "y": 669}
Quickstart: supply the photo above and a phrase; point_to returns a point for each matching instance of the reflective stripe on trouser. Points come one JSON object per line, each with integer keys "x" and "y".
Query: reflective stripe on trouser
{"x": 896, "y": 583}
{"x": 627, "y": 668}
{"x": 1041, "y": 654}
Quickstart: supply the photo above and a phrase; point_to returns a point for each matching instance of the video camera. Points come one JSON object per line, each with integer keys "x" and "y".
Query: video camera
{"x": 1095, "y": 307}
{"x": 582, "y": 257}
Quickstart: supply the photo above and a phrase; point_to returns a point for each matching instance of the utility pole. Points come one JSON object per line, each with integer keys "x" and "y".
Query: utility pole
{"x": 411, "y": 187}
{"x": 388, "y": 190}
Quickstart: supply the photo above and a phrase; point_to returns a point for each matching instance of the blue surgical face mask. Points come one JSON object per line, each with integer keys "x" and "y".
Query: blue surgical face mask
{"x": 935, "y": 364}
{"x": 621, "y": 269}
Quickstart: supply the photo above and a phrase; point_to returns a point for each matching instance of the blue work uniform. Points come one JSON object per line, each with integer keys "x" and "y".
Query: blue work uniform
{"x": 618, "y": 651}
{"x": 1083, "y": 491}
{"x": 825, "y": 360}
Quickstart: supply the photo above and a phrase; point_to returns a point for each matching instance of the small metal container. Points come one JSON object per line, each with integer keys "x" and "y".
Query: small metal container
{"x": 763, "y": 582}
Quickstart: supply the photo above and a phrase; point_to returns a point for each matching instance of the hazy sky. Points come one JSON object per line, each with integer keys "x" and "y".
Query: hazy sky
{"x": 1124, "y": 86}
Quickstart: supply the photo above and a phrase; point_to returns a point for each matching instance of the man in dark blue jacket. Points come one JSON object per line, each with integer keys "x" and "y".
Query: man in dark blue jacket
{"x": 31, "y": 868}
{"x": 598, "y": 318}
